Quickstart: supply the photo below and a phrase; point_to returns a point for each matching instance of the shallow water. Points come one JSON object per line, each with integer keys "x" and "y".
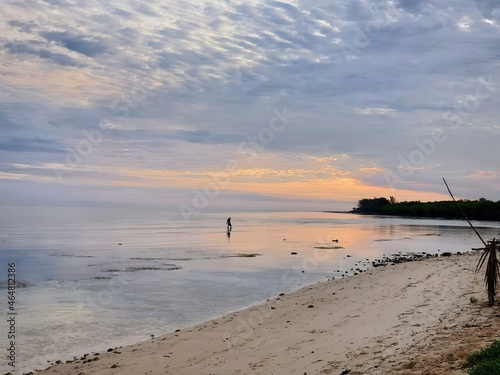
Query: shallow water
{"x": 90, "y": 293}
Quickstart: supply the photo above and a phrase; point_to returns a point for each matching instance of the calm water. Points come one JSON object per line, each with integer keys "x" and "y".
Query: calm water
{"x": 89, "y": 292}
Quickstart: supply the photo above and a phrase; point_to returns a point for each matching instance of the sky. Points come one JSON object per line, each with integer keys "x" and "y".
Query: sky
{"x": 228, "y": 104}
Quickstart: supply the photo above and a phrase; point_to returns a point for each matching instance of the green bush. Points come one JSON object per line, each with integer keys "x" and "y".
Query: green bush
{"x": 485, "y": 361}
{"x": 489, "y": 367}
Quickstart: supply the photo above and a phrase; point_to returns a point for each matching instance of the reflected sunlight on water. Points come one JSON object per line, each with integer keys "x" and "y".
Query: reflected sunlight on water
{"x": 104, "y": 277}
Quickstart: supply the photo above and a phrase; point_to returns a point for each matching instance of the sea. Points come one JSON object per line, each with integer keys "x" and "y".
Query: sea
{"x": 91, "y": 278}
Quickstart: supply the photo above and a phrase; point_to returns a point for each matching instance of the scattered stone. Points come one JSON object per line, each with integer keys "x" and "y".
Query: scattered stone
{"x": 310, "y": 306}
{"x": 110, "y": 350}
{"x": 473, "y": 299}
{"x": 446, "y": 254}
{"x": 409, "y": 365}
{"x": 114, "y": 366}
{"x": 468, "y": 325}
{"x": 294, "y": 253}
{"x": 282, "y": 294}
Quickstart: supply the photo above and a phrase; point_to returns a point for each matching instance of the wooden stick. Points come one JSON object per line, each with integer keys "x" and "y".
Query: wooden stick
{"x": 463, "y": 213}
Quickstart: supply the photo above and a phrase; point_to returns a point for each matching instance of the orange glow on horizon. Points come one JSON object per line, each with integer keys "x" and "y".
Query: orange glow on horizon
{"x": 327, "y": 184}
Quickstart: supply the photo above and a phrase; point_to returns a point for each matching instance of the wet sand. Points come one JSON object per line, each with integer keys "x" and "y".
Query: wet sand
{"x": 409, "y": 318}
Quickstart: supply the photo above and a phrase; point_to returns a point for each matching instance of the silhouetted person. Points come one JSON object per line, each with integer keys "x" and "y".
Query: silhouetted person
{"x": 229, "y": 225}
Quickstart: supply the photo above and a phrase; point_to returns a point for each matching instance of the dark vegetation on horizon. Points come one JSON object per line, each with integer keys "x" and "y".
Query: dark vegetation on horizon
{"x": 481, "y": 209}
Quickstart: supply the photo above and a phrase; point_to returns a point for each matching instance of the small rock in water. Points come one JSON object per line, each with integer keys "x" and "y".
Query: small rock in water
{"x": 446, "y": 254}
{"x": 473, "y": 299}
{"x": 119, "y": 244}
{"x": 294, "y": 253}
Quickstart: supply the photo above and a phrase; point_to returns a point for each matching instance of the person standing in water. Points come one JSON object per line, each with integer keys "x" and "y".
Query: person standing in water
{"x": 229, "y": 225}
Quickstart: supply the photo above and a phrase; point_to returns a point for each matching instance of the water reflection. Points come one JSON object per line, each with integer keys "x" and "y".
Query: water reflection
{"x": 169, "y": 274}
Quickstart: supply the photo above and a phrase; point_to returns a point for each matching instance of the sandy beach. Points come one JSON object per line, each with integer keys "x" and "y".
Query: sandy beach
{"x": 408, "y": 318}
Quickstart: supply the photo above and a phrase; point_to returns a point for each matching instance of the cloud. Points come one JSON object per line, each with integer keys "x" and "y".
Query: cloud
{"x": 490, "y": 9}
{"x": 33, "y": 48}
{"x": 76, "y": 43}
{"x": 181, "y": 85}
{"x": 5, "y": 122}
{"x": 30, "y": 145}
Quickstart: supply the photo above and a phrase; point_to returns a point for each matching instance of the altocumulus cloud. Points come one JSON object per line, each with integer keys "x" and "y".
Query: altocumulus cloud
{"x": 183, "y": 84}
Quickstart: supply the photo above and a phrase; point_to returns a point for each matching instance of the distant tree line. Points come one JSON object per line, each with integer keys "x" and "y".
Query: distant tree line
{"x": 481, "y": 209}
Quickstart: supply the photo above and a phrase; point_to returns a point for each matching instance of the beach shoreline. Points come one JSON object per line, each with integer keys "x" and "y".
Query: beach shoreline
{"x": 372, "y": 323}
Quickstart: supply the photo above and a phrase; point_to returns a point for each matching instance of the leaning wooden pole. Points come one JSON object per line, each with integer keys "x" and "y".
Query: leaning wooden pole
{"x": 463, "y": 213}
{"x": 492, "y": 274}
